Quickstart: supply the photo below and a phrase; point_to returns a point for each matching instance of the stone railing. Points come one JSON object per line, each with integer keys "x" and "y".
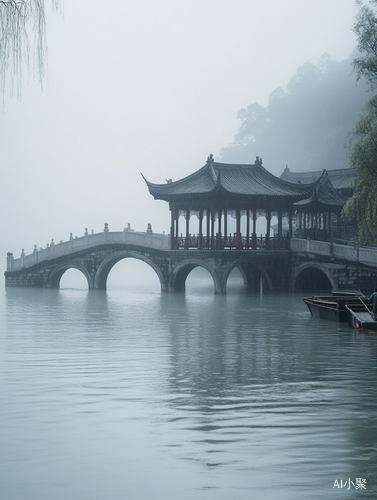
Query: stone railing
{"x": 75, "y": 244}
{"x": 363, "y": 255}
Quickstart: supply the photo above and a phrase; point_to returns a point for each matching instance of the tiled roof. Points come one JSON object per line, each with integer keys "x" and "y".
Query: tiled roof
{"x": 249, "y": 180}
{"x": 253, "y": 185}
{"x": 324, "y": 194}
{"x": 341, "y": 178}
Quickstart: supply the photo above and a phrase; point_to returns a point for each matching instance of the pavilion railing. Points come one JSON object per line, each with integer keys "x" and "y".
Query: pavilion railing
{"x": 254, "y": 242}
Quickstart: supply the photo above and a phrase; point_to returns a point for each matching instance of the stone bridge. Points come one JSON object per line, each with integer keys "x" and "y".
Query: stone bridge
{"x": 308, "y": 264}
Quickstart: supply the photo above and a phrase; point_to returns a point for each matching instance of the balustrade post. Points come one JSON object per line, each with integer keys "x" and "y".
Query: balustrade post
{"x": 254, "y": 241}
{"x": 149, "y": 234}
{"x": 267, "y": 246}
{"x": 9, "y": 261}
{"x": 356, "y": 253}
{"x": 105, "y": 231}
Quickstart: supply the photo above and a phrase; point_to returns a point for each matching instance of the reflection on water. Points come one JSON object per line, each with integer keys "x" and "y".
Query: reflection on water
{"x": 134, "y": 394}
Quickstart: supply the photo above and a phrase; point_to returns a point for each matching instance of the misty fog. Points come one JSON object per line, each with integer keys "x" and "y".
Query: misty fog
{"x": 155, "y": 88}
{"x": 306, "y": 125}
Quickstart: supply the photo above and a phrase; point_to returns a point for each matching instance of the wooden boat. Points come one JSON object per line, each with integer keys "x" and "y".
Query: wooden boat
{"x": 332, "y": 307}
{"x": 360, "y": 317}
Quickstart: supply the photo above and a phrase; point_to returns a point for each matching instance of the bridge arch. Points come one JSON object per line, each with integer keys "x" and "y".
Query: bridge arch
{"x": 179, "y": 275}
{"x": 296, "y": 272}
{"x": 56, "y": 274}
{"x": 251, "y": 274}
{"x": 109, "y": 262}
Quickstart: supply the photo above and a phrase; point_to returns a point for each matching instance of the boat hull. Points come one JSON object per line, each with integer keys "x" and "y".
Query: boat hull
{"x": 332, "y": 308}
{"x": 322, "y": 311}
{"x": 360, "y": 318}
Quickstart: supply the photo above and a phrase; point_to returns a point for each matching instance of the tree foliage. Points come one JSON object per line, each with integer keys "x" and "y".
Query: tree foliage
{"x": 365, "y": 28}
{"x": 20, "y": 20}
{"x": 305, "y": 125}
{"x": 362, "y": 206}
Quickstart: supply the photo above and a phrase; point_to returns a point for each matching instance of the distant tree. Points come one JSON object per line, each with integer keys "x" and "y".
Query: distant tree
{"x": 362, "y": 206}
{"x": 305, "y": 125}
{"x": 18, "y": 20}
{"x": 365, "y": 28}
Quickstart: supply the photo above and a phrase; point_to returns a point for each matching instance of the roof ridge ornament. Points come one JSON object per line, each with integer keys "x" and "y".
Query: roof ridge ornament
{"x": 210, "y": 159}
{"x": 258, "y": 161}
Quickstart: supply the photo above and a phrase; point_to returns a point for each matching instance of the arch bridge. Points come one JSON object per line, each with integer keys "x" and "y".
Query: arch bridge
{"x": 307, "y": 264}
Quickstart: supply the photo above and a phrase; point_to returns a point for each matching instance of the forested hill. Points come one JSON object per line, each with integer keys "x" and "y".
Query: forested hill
{"x": 306, "y": 125}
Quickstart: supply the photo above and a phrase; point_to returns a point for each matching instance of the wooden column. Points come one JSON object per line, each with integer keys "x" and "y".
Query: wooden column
{"x": 254, "y": 238}
{"x": 238, "y": 230}
{"x": 212, "y": 229}
{"x": 172, "y": 230}
{"x": 219, "y": 242}
{"x": 176, "y": 243}
{"x": 280, "y": 224}
{"x": 187, "y": 229}
{"x": 247, "y": 228}
{"x": 225, "y": 225}
{"x": 208, "y": 225}
{"x": 268, "y": 229}
{"x": 290, "y": 230}
{"x": 200, "y": 241}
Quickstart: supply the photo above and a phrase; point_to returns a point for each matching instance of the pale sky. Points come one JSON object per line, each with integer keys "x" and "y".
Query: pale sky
{"x": 151, "y": 86}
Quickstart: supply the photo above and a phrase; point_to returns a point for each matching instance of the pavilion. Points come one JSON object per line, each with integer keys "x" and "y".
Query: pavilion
{"x": 315, "y": 221}
{"x": 219, "y": 190}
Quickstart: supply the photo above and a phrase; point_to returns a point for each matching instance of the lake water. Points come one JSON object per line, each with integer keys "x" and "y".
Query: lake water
{"x": 130, "y": 394}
